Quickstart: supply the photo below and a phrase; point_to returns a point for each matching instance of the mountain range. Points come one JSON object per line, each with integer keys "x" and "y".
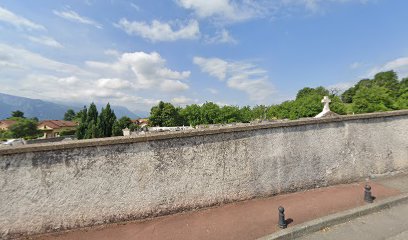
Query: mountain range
{"x": 49, "y": 110}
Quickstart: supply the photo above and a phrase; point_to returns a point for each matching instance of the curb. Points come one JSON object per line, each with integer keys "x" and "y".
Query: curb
{"x": 335, "y": 219}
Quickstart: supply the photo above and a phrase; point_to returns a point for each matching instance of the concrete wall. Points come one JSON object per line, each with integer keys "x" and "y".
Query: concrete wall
{"x": 82, "y": 183}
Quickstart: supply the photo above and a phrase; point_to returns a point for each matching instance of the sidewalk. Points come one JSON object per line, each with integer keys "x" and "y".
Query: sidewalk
{"x": 389, "y": 224}
{"x": 244, "y": 220}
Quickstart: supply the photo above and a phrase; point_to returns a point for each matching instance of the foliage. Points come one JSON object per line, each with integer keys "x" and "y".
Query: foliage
{"x": 69, "y": 115}
{"x": 83, "y": 125}
{"x": 105, "y": 122}
{"x": 122, "y": 123}
{"x": 165, "y": 114}
{"x": 67, "y": 133}
{"x": 210, "y": 113}
{"x": 17, "y": 114}
{"x": 373, "y": 99}
{"x": 24, "y": 128}
{"x": 191, "y": 115}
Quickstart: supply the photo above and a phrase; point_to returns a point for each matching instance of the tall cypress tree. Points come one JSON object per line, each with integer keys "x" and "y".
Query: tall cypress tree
{"x": 107, "y": 118}
{"x": 91, "y": 122}
{"x": 83, "y": 125}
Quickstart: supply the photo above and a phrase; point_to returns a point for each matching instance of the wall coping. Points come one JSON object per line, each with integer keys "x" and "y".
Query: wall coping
{"x": 191, "y": 133}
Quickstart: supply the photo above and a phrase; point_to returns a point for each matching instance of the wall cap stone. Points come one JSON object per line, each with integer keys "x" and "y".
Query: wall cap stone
{"x": 192, "y": 133}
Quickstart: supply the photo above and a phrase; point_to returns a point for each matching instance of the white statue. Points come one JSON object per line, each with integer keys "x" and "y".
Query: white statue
{"x": 326, "y": 109}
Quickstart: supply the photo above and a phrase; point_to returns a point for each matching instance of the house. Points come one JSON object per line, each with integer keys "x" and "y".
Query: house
{"x": 54, "y": 128}
{"x": 141, "y": 122}
{"x": 6, "y": 124}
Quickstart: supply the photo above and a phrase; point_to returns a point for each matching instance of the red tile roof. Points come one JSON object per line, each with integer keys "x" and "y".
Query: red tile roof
{"x": 8, "y": 122}
{"x": 55, "y": 124}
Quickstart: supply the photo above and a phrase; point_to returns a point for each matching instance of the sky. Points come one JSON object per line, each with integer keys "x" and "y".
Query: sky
{"x": 236, "y": 52}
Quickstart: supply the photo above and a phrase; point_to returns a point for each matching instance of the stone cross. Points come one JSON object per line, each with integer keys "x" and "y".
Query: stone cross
{"x": 326, "y": 100}
{"x": 326, "y": 109}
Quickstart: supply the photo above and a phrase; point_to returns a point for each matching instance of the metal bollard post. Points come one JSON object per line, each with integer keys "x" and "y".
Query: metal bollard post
{"x": 367, "y": 194}
{"x": 282, "y": 221}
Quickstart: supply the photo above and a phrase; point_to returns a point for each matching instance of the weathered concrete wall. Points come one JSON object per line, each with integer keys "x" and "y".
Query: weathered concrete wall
{"x": 66, "y": 185}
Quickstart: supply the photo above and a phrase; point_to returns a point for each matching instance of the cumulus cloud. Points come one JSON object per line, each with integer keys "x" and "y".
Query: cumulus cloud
{"x": 125, "y": 81}
{"x": 145, "y": 70}
{"x": 242, "y": 76}
{"x": 44, "y": 40}
{"x": 161, "y": 31}
{"x": 73, "y": 16}
{"x": 18, "y": 21}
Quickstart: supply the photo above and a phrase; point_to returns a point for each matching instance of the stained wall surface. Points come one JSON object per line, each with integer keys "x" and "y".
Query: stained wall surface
{"x": 83, "y": 183}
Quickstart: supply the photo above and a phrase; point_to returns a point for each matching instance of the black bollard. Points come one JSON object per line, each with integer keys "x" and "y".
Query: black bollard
{"x": 367, "y": 194}
{"x": 282, "y": 221}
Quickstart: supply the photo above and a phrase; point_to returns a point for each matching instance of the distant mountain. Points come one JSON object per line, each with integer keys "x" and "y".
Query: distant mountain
{"x": 48, "y": 110}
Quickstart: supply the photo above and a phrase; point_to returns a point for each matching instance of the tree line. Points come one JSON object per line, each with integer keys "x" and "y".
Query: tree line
{"x": 92, "y": 124}
{"x": 382, "y": 93}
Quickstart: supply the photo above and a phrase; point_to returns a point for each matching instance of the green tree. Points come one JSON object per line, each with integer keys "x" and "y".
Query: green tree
{"x": 92, "y": 114}
{"x": 191, "y": 114}
{"x": 69, "y": 115}
{"x": 246, "y": 114}
{"x": 106, "y": 120}
{"x": 24, "y": 128}
{"x": 119, "y": 125}
{"x": 165, "y": 115}
{"x": 83, "y": 124}
{"x": 259, "y": 112}
{"x": 229, "y": 114}
{"x": 402, "y": 101}
{"x": 321, "y": 91}
{"x": 388, "y": 80}
{"x": 374, "y": 99}
{"x": 347, "y": 96}
{"x": 17, "y": 114}
{"x": 92, "y": 130}
{"x": 210, "y": 113}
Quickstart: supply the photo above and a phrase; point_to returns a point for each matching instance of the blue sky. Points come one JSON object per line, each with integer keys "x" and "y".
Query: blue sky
{"x": 239, "y": 52}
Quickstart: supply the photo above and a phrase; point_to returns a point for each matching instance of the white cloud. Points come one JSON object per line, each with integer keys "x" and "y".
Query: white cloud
{"x": 27, "y": 60}
{"x": 145, "y": 71}
{"x": 75, "y": 17}
{"x": 242, "y": 76}
{"x": 214, "y": 66}
{"x": 222, "y": 36}
{"x": 44, "y": 40}
{"x": 225, "y": 10}
{"x": 113, "y": 83}
{"x": 160, "y": 31}
{"x": 400, "y": 65}
{"x": 125, "y": 81}
{"x": 229, "y": 11}
{"x": 18, "y": 21}
{"x": 182, "y": 101}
